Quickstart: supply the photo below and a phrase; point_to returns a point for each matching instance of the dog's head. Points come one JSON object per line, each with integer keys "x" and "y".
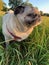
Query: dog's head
{"x": 28, "y": 15}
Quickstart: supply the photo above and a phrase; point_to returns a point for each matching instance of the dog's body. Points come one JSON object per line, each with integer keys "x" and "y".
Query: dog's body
{"x": 19, "y": 24}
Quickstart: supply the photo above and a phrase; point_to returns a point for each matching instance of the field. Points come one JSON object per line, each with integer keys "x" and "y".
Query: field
{"x": 32, "y": 51}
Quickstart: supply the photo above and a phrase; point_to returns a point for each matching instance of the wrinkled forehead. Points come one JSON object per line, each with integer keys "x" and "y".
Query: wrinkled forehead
{"x": 29, "y": 9}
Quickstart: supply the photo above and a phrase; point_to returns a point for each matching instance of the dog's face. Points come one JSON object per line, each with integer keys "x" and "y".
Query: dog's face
{"x": 28, "y": 15}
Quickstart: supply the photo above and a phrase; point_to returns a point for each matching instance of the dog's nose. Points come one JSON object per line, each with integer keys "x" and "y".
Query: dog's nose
{"x": 39, "y": 18}
{"x": 36, "y": 17}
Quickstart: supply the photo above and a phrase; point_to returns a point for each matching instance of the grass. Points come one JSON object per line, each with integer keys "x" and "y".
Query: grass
{"x": 32, "y": 51}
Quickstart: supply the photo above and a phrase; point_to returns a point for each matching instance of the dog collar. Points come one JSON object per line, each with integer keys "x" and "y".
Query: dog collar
{"x": 15, "y": 37}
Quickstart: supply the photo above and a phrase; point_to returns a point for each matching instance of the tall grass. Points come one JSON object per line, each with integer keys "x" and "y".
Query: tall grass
{"x": 32, "y": 51}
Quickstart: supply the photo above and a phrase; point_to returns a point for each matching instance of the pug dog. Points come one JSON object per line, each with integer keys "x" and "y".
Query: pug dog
{"x": 19, "y": 24}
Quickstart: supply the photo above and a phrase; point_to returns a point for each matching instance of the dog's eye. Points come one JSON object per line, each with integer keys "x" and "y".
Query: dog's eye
{"x": 32, "y": 15}
{"x": 29, "y": 14}
{"x": 35, "y": 15}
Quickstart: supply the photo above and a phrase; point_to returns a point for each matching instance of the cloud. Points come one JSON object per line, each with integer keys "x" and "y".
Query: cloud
{"x": 45, "y": 9}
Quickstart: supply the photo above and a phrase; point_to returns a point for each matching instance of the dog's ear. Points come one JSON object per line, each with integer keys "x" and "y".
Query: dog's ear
{"x": 19, "y": 9}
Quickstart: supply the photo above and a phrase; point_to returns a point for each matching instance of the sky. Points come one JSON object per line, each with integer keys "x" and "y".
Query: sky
{"x": 42, "y": 5}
